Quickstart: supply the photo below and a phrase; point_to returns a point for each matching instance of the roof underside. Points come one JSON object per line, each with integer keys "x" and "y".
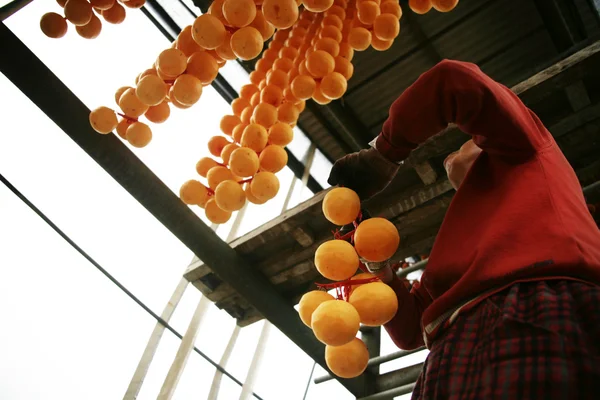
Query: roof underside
{"x": 509, "y": 39}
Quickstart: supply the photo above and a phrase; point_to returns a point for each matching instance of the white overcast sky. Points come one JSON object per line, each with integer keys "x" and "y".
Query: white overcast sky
{"x": 67, "y": 331}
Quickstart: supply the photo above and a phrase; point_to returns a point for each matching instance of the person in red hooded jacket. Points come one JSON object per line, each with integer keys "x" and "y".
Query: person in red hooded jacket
{"x": 509, "y": 304}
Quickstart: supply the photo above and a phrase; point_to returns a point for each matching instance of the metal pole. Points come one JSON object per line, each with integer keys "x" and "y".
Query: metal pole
{"x": 307, "y": 161}
{"x": 591, "y": 188}
{"x": 377, "y": 361}
{"x": 312, "y": 372}
{"x": 415, "y": 267}
{"x": 142, "y": 369}
{"x": 371, "y": 336}
{"x": 288, "y": 197}
{"x": 310, "y": 156}
{"x": 183, "y": 353}
{"x": 254, "y": 368}
{"x": 256, "y": 361}
{"x": 216, "y": 383}
{"x": 236, "y": 223}
{"x": 390, "y": 394}
{"x": 394, "y": 356}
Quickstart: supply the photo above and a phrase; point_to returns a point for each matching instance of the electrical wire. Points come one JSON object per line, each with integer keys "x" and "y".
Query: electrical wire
{"x": 40, "y": 214}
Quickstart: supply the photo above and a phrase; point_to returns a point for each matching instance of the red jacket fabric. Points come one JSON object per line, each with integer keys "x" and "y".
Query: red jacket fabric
{"x": 519, "y": 214}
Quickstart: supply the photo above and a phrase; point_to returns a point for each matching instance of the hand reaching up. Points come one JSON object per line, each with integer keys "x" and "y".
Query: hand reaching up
{"x": 367, "y": 172}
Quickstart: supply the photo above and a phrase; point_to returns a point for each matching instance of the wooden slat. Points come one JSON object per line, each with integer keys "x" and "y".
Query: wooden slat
{"x": 575, "y": 121}
{"x": 141, "y": 371}
{"x": 562, "y": 71}
{"x": 426, "y": 172}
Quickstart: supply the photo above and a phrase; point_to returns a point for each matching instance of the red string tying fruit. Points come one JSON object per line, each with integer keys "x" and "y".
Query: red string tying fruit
{"x": 363, "y": 267}
{"x": 131, "y": 120}
{"x": 343, "y": 288}
{"x": 346, "y": 236}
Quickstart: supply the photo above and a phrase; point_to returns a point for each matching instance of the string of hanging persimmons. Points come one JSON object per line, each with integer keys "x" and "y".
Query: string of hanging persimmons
{"x": 360, "y": 298}
{"x": 309, "y": 57}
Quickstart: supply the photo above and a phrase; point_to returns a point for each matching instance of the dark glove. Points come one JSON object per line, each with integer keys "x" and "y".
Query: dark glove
{"x": 366, "y": 172}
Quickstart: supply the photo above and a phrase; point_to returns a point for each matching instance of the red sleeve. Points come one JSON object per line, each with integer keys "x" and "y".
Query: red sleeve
{"x": 405, "y": 328}
{"x": 458, "y": 92}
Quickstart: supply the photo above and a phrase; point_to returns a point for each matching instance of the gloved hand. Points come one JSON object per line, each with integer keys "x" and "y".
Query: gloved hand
{"x": 367, "y": 172}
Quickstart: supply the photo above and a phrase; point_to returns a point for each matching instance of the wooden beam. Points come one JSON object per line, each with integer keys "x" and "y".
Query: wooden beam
{"x": 139, "y": 375}
{"x": 426, "y": 172}
{"x": 183, "y": 352}
{"x": 414, "y": 198}
{"x": 216, "y": 383}
{"x": 303, "y": 236}
{"x": 556, "y": 77}
{"x": 575, "y": 121}
{"x": 559, "y": 75}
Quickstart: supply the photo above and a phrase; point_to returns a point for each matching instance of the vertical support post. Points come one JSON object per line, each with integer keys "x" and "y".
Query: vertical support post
{"x": 254, "y": 368}
{"x": 183, "y": 353}
{"x": 310, "y": 156}
{"x": 308, "y": 160}
{"x": 236, "y": 223}
{"x": 186, "y": 346}
{"x": 371, "y": 336}
{"x": 248, "y": 386}
{"x": 216, "y": 383}
{"x": 312, "y": 372}
{"x": 142, "y": 369}
{"x": 288, "y": 197}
